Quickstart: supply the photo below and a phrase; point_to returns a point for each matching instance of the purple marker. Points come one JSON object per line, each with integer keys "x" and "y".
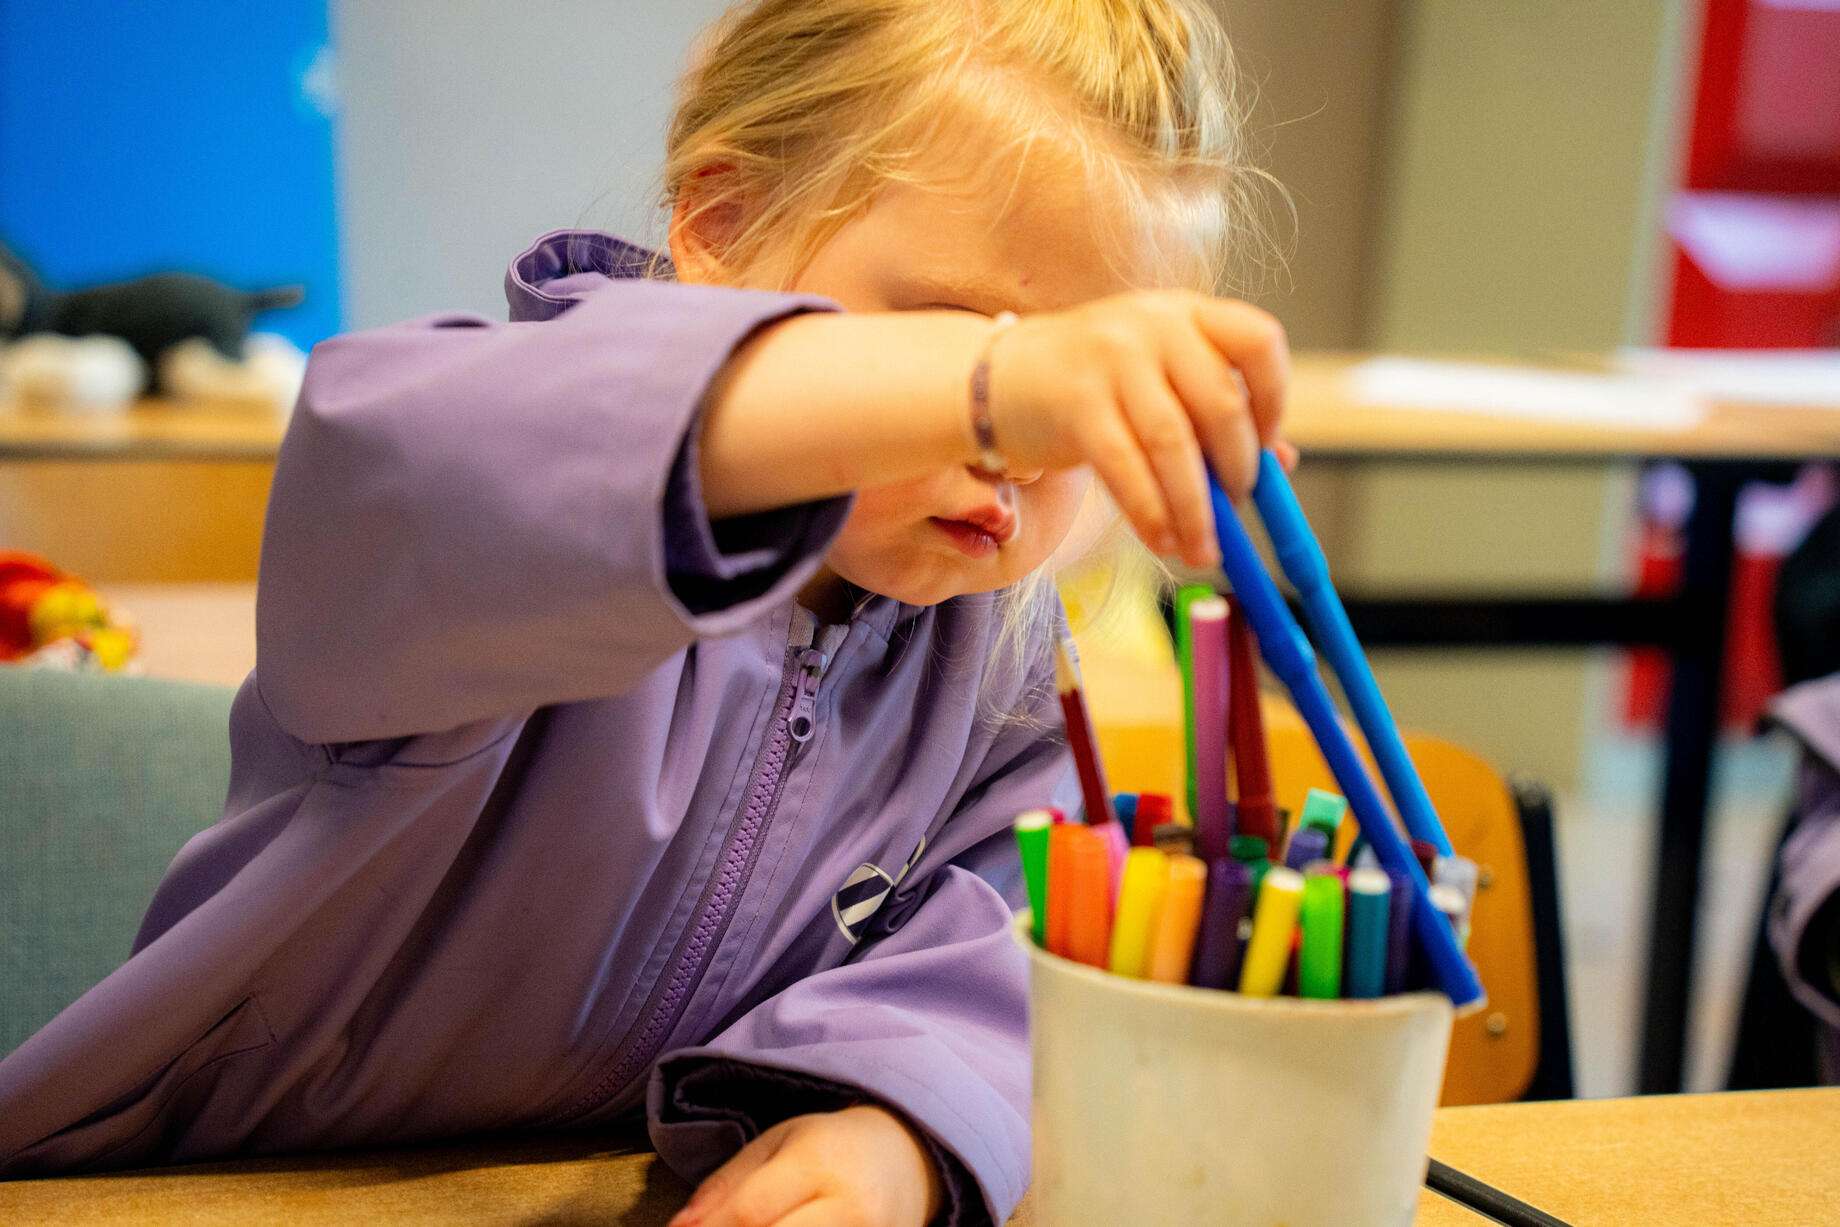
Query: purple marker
{"x": 1207, "y": 637}
{"x": 1218, "y": 947}
{"x": 1398, "y": 933}
{"x": 1308, "y": 845}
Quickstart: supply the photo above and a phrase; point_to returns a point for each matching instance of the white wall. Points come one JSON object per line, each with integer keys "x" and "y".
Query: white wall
{"x": 468, "y": 127}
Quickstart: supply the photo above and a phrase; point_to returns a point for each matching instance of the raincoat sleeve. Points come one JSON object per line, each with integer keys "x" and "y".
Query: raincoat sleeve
{"x": 929, "y": 1016}
{"x": 473, "y": 519}
{"x": 1804, "y": 920}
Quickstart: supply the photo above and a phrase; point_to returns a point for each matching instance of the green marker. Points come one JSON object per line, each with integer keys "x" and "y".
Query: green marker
{"x": 1186, "y": 595}
{"x": 1319, "y": 953}
{"x": 1032, "y": 829}
{"x": 1252, "y": 852}
{"x": 1323, "y": 811}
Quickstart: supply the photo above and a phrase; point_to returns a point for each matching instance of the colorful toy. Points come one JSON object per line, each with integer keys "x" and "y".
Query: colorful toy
{"x": 54, "y": 620}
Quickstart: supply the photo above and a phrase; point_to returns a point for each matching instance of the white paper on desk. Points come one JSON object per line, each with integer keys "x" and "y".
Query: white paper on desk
{"x": 1803, "y": 378}
{"x": 1628, "y": 402}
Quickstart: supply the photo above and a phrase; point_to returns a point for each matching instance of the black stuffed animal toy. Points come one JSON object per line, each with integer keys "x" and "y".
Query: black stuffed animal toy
{"x": 152, "y": 314}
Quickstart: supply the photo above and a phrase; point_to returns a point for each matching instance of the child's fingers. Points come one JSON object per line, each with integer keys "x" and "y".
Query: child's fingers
{"x": 1215, "y": 398}
{"x": 768, "y": 1194}
{"x": 719, "y": 1186}
{"x": 1168, "y": 440}
{"x": 1115, "y": 456}
{"x": 824, "y": 1212}
{"x": 1254, "y": 343}
{"x": 1288, "y": 456}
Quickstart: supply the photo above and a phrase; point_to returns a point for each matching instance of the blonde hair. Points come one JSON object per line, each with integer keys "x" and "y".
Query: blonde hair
{"x": 795, "y": 112}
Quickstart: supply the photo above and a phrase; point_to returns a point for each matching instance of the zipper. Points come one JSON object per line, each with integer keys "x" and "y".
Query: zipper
{"x": 800, "y": 724}
{"x": 793, "y": 725}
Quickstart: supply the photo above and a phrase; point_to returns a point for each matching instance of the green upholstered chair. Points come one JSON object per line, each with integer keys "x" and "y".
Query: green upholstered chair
{"x": 102, "y": 780}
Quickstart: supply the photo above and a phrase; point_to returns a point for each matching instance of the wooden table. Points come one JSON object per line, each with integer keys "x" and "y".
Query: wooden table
{"x": 1746, "y": 1160}
{"x": 1756, "y": 1159}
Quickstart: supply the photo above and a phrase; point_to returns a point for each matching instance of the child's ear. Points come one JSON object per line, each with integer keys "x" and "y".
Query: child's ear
{"x": 706, "y": 220}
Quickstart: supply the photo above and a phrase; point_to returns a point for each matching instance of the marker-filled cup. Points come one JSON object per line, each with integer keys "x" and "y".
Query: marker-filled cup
{"x": 1164, "y": 1104}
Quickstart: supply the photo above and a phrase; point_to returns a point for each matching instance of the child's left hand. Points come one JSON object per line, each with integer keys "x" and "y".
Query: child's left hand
{"x": 861, "y": 1165}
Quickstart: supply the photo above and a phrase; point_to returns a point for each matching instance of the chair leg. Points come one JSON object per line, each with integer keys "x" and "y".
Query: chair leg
{"x": 1552, "y": 1076}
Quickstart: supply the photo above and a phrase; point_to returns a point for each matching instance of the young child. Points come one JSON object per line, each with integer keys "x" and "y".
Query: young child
{"x": 631, "y": 731}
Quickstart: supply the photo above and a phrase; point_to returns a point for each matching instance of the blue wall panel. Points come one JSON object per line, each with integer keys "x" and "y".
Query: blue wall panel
{"x": 192, "y": 134}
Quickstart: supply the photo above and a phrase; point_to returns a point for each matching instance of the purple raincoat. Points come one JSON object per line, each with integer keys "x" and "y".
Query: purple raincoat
{"x": 549, "y": 805}
{"x": 1805, "y": 913}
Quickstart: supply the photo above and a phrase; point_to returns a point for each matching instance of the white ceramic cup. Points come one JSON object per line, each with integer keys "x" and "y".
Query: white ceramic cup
{"x": 1164, "y": 1104}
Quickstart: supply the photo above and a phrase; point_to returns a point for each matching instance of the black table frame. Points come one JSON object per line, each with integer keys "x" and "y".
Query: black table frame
{"x": 1690, "y": 626}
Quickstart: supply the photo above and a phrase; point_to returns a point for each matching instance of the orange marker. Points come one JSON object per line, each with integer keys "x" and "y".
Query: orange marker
{"x": 1061, "y": 838}
{"x": 1174, "y": 946}
{"x": 1089, "y": 925}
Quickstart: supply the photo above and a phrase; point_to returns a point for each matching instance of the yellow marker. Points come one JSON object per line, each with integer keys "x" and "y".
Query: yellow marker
{"x": 1140, "y": 903}
{"x": 1268, "y": 954}
{"x": 1174, "y": 947}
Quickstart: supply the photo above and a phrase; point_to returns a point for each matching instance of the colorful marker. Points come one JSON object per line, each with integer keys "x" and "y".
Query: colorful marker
{"x": 1228, "y": 904}
{"x": 1364, "y": 962}
{"x": 1080, "y": 735}
{"x": 1089, "y": 928}
{"x": 1173, "y": 951}
{"x": 1187, "y": 595}
{"x": 1255, "y": 810}
{"x": 1274, "y": 922}
{"x": 1448, "y": 900}
{"x": 1207, "y": 619}
{"x": 1140, "y": 906}
{"x": 1308, "y": 845}
{"x": 1301, "y": 557}
{"x": 1124, "y": 808}
{"x": 1398, "y": 932}
{"x": 1460, "y": 872}
{"x": 1153, "y": 810}
{"x": 1061, "y": 838}
{"x": 1323, "y": 811}
{"x": 1319, "y": 956}
{"x": 1291, "y": 658}
{"x": 1032, "y": 843}
{"x": 1253, "y": 852}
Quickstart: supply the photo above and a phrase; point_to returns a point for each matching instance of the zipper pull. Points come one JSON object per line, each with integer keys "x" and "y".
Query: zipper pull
{"x": 805, "y": 703}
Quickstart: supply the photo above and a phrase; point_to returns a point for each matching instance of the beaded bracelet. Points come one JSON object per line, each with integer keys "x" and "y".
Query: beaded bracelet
{"x": 981, "y": 428}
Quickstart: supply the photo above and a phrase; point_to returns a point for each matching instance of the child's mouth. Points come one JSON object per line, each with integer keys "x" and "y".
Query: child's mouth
{"x": 971, "y": 540}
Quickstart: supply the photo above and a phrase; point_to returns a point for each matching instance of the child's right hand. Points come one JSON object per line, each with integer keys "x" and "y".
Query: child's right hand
{"x": 1146, "y": 387}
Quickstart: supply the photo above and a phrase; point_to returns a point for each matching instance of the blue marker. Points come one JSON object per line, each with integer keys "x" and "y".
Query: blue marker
{"x": 1124, "y": 804}
{"x": 1369, "y": 892}
{"x": 1301, "y": 556}
{"x": 1288, "y": 653}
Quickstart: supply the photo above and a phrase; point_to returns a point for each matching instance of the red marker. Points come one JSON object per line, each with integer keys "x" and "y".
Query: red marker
{"x": 1080, "y": 737}
{"x": 1153, "y": 810}
{"x": 1257, "y": 813}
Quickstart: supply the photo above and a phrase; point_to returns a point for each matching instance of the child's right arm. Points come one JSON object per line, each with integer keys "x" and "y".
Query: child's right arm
{"x": 1142, "y": 386}
{"x": 473, "y": 519}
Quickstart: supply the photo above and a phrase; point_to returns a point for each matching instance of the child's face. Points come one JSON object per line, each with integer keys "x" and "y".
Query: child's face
{"x": 983, "y": 242}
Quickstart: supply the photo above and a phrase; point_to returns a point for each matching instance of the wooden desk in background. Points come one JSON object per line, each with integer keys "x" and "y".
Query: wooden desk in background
{"x": 181, "y": 498}
{"x": 165, "y": 492}
{"x": 1762, "y": 1159}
